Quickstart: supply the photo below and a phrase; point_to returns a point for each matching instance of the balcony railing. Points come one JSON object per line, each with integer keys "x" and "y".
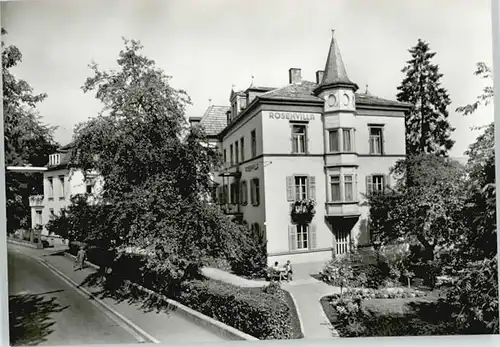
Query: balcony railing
{"x": 350, "y": 208}
{"x": 54, "y": 159}
{"x": 36, "y": 201}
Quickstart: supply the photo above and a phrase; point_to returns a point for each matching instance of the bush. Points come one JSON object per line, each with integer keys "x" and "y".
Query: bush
{"x": 344, "y": 272}
{"x": 251, "y": 260}
{"x": 262, "y": 315}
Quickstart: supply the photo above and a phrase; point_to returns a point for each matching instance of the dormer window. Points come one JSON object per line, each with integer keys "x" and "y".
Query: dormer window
{"x": 243, "y": 103}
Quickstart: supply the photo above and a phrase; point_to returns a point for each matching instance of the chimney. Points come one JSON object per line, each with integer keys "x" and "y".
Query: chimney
{"x": 319, "y": 76}
{"x": 295, "y": 75}
{"x": 194, "y": 120}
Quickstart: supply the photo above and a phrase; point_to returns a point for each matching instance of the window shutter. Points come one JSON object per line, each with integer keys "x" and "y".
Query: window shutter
{"x": 312, "y": 236}
{"x": 252, "y": 192}
{"x": 387, "y": 180}
{"x": 292, "y": 237}
{"x": 369, "y": 184}
{"x": 289, "y": 189}
{"x": 312, "y": 187}
{"x": 245, "y": 192}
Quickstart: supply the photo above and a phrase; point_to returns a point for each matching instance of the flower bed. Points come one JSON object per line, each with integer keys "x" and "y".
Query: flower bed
{"x": 422, "y": 314}
{"x": 386, "y": 293}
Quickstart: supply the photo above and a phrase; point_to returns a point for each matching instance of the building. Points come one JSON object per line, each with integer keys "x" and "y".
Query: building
{"x": 60, "y": 183}
{"x": 286, "y": 149}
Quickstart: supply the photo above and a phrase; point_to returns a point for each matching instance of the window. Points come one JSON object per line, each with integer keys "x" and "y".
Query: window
{"x": 376, "y": 140}
{"x": 254, "y": 143}
{"x": 375, "y": 184}
{"x": 62, "y": 192}
{"x": 298, "y": 138}
{"x": 51, "y": 213}
{"x": 255, "y": 192}
{"x": 334, "y": 140}
{"x": 348, "y": 188}
{"x": 335, "y": 188}
{"x": 243, "y": 192}
{"x": 231, "y": 155}
{"x": 302, "y": 236}
{"x": 242, "y": 148}
{"x": 89, "y": 188}
{"x": 347, "y": 135}
{"x": 225, "y": 157}
{"x": 234, "y": 193}
{"x": 342, "y": 241}
{"x": 51, "y": 187}
{"x": 236, "y": 152}
{"x": 300, "y": 188}
{"x": 38, "y": 218}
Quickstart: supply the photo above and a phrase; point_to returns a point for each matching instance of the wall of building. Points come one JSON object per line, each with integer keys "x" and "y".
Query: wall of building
{"x": 394, "y": 131}
{"x": 74, "y": 184}
{"x": 278, "y": 208}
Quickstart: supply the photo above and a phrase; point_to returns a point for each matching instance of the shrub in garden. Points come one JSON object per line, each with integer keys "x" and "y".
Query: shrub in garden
{"x": 251, "y": 260}
{"x": 260, "y": 314}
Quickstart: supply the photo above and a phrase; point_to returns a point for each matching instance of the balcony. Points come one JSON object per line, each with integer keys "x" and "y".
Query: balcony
{"x": 231, "y": 209}
{"x": 340, "y": 159}
{"x": 230, "y": 171}
{"x": 54, "y": 159}
{"x": 36, "y": 201}
{"x": 342, "y": 209}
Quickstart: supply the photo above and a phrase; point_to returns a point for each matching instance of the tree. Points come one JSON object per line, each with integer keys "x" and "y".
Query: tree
{"x": 427, "y": 126}
{"x": 426, "y": 211}
{"x": 155, "y": 170}
{"x": 28, "y": 141}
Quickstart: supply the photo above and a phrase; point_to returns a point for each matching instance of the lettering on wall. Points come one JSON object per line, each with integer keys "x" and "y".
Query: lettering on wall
{"x": 252, "y": 167}
{"x": 292, "y": 116}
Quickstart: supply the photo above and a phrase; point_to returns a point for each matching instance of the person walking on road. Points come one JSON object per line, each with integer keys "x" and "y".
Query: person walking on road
{"x": 80, "y": 259}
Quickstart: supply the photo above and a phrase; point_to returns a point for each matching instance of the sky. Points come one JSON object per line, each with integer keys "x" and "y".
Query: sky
{"x": 209, "y": 46}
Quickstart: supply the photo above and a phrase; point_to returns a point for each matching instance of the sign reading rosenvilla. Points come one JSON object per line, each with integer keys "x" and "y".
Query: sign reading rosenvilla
{"x": 292, "y": 116}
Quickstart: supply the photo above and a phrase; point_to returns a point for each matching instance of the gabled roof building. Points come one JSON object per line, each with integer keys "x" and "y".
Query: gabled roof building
{"x": 299, "y": 159}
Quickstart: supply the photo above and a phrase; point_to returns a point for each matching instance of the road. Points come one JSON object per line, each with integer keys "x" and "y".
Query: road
{"x": 44, "y": 310}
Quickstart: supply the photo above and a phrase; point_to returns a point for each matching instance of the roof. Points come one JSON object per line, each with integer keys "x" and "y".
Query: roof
{"x": 68, "y": 146}
{"x": 214, "y": 120}
{"x": 335, "y": 72}
{"x": 304, "y": 91}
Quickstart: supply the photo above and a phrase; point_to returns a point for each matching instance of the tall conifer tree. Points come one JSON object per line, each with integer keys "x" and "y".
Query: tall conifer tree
{"x": 427, "y": 126}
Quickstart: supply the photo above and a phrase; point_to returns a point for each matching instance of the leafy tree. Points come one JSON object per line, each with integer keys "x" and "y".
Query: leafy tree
{"x": 427, "y": 126}
{"x": 155, "y": 171}
{"x": 28, "y": 141}
{"x": 425, "y": 213}
{"x": 483, "y": 71}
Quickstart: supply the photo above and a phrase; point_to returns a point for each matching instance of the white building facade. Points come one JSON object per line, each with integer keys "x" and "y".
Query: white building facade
{"x": 60, "y": 184}
{"x": 307, "y": 141}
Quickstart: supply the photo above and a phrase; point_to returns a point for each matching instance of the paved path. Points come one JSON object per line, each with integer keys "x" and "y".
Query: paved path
{"x": 46, "y": 310}
{"x": 306, "y": 292}
{"x": 164, "y": 327}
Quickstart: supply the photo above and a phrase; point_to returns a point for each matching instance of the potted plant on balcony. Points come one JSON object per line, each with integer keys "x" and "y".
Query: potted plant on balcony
{"x": 303, "y": 211}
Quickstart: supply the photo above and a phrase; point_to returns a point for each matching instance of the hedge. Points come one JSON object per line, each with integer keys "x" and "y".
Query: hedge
{"x": 262, "y": 315}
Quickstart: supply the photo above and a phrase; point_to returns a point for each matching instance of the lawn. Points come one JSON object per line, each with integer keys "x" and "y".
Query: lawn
{"x": 395, "y": 317}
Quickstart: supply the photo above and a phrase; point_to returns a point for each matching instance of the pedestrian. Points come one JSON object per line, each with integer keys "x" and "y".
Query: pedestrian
{"x": 288, "y": 271}
{"x": 80, "y": 259}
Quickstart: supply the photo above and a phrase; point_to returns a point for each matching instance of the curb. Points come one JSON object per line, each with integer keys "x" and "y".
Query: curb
{"x": 335, "y": 333}
{"x": 298, "y": 312}
{"x": 200, "y": 318}
{"x": 23, "y": 243}
{"x": 133, "y": 329}
{"x": 190, "y": 314}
